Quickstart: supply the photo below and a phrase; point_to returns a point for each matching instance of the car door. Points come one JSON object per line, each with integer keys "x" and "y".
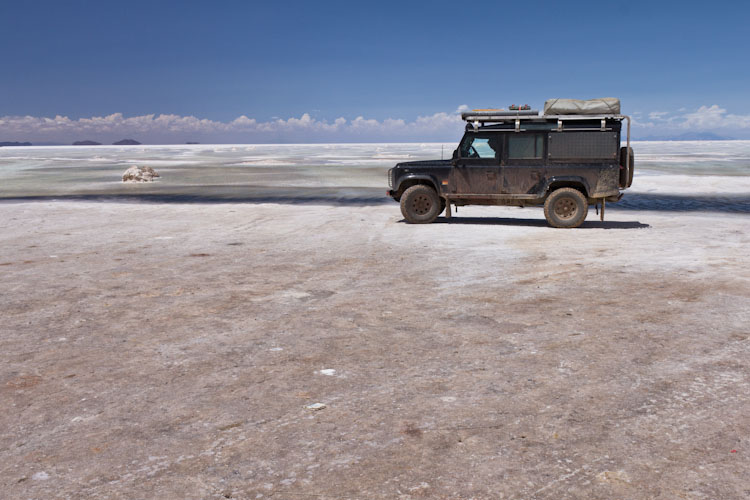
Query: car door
{"x": 477, "y": 168}
{"x": 523, "y": 163}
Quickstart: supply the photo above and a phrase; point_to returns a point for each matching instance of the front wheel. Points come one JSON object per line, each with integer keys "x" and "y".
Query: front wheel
{"x": 420, "y": 204}
{"x": 566, "y": 208}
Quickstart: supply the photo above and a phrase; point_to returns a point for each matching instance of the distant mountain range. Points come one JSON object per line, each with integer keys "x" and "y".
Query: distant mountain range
{"x": 124, "y": 142}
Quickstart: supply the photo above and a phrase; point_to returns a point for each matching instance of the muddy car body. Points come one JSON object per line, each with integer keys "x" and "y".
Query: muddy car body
{"x": 564, "y": 162}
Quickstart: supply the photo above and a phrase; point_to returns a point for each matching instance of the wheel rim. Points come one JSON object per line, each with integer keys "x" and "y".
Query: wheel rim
{"x": 421, "y": 204}
{"x": 566, "y": 208}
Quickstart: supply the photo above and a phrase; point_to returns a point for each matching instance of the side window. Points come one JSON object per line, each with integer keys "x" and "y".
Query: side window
{"x": 480, "y": 147}
{"x": 525, "y": 146}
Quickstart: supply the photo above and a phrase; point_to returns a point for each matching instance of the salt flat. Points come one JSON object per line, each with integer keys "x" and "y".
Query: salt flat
{"x": 169, "y": 350}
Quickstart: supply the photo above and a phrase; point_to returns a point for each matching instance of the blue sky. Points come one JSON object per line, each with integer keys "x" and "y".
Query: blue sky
{"x": 202, "y": 65}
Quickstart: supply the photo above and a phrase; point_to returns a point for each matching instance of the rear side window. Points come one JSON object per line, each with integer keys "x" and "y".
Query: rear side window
{"x": 525, "y": 147}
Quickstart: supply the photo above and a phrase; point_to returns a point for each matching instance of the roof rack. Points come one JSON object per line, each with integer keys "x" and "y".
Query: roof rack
{"x": 531, "y": 115}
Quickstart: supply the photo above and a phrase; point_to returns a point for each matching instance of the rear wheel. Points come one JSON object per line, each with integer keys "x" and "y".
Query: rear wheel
{"x": 420, "y": 204}
{"x": 566, "y": 208}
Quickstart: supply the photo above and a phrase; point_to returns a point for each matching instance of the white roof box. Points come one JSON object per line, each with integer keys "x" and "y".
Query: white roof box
{"x": 603, "y": 106}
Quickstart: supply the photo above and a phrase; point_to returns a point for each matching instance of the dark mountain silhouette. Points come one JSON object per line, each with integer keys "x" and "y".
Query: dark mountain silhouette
{"x": 126, "y": 142}
{"x": 87, "y": 143}
{"x": 15, "y": 144}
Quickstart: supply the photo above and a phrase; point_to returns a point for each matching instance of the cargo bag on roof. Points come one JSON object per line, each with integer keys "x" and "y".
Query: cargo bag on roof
{"x": 603, "y": 106}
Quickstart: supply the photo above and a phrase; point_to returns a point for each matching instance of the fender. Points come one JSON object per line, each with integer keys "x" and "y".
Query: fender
{"x": 421, "y": 177}
{"x": 565, "y": 179}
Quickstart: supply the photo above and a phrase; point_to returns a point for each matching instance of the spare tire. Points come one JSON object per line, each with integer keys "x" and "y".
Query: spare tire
{"x": 626, "y": 171}
{"x": 631, "y": 168}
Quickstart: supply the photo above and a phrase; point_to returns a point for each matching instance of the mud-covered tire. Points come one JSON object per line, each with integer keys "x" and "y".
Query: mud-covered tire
{"x": 420, "y": 204}
{"x": 626, "y": 171}
{"x": 566, "y": 208}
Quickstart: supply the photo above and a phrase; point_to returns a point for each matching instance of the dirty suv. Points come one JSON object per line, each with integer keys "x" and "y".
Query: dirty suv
{"x": 566, "y": 158}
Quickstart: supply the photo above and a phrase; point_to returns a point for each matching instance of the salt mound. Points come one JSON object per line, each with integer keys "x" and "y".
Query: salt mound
{"x": 139, "y": 174}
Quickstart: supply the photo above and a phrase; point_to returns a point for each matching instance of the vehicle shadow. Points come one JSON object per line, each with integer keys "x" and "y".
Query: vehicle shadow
{"x": 726, "y": 203}
{"x": 503, "y": 221}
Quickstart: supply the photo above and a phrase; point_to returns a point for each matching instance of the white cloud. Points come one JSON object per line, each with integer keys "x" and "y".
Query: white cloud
{"x": 177, "y": 128}
{"x": 714, "y": 117}
{"x": 705, "y": 119}
{"x": 658, "y": 115}
{"x": 441, "y": 126}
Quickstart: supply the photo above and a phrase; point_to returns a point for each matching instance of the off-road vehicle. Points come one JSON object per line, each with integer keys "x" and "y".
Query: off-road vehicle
{"x": 566, "y": 158}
